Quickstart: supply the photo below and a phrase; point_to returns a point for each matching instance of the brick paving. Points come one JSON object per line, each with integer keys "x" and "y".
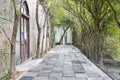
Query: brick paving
{"x": 65, "y": 62}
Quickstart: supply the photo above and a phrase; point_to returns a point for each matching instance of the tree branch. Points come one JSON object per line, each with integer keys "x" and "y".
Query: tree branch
{"x": 63, "y": 34}
{"x": 6, "y": 19}
{"x": 115, "y": 13}
{"x": 6, "y": 34}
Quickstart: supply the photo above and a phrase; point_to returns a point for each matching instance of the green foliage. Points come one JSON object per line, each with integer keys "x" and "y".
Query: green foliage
{"x": 5, "y": 77}
{"x": 52, "y": 38}
{"x": 119, "y": 72}
{"x": 4, "y": 71}
{"x": 113, "y": 40}
{"x": 94, "y": 23}
{"x": 59, "y": 14}
{"x": 67, "y": 22}
{"x": 0, "y": 32}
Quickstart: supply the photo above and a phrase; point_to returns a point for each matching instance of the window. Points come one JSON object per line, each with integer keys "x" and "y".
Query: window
{"x": 24, "y": 32}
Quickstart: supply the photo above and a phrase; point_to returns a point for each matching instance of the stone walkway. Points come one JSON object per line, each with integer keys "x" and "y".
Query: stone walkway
{"x": 65, "y": 62}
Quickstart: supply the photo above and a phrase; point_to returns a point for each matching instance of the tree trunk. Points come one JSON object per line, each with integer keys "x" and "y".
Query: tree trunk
{"x": 42, "y": 43}
{"x": 46, "y": 14}
{"x": 39, "y": 30}
{"x": 47, "y": 36}
{"x": 38, "y": 45}
{"x": 13, "y": 44}
{"x": 13, "y": 41}
{"x": 63, "y": 34}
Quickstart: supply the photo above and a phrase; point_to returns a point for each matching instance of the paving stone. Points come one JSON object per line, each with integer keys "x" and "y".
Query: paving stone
{"x": 26, "y": 78}
{"x": 68, "y": 71}
{"x": 38, "y": 68}
{"x": 68, "y": 78}
{"x": 56, "y": 75}
{"x": 67, "y": 63}
{"x": 45, "y": 71}
{"x": 57, "y": 71}
{"x": 96, "y": 78}
{"x": 34, "y": 71}
{"x": 81, "y": 78}
{"x": 76, "y": 62}
{"x": 68, "y": 74}
{"x": 67, "y": 67}
{"x": 80, "y": 75}
{"x": 78, "y": 67}
{"x": 82, "y": 62}
{"x": 90, "y": 71}
{"x": 48, "y": 66}
{"x": 51, "y": 62}
{"x": 79, "y": 71}
{"x": 54, "y": 78}
{"x": 93, "y": 75}
{"x": 107, "y": 78}
{"x": 58, "y": 68}
{"x": 43, "y": 74}
{"x": 31, "y": 74}
{"x": 40, "y": 78}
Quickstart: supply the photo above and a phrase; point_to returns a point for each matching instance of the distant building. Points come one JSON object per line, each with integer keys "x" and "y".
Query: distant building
{"x": 67, "y": 39}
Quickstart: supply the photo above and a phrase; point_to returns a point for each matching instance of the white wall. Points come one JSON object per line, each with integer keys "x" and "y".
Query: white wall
{"x": 33, "y": 26}
{"x": 69, "y": 36}
{"x": 59, "y": 32}
{"x": 33, "y": 29}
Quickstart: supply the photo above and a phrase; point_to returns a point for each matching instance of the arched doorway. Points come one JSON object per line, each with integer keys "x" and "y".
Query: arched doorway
{"x": 24, "y": 32}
